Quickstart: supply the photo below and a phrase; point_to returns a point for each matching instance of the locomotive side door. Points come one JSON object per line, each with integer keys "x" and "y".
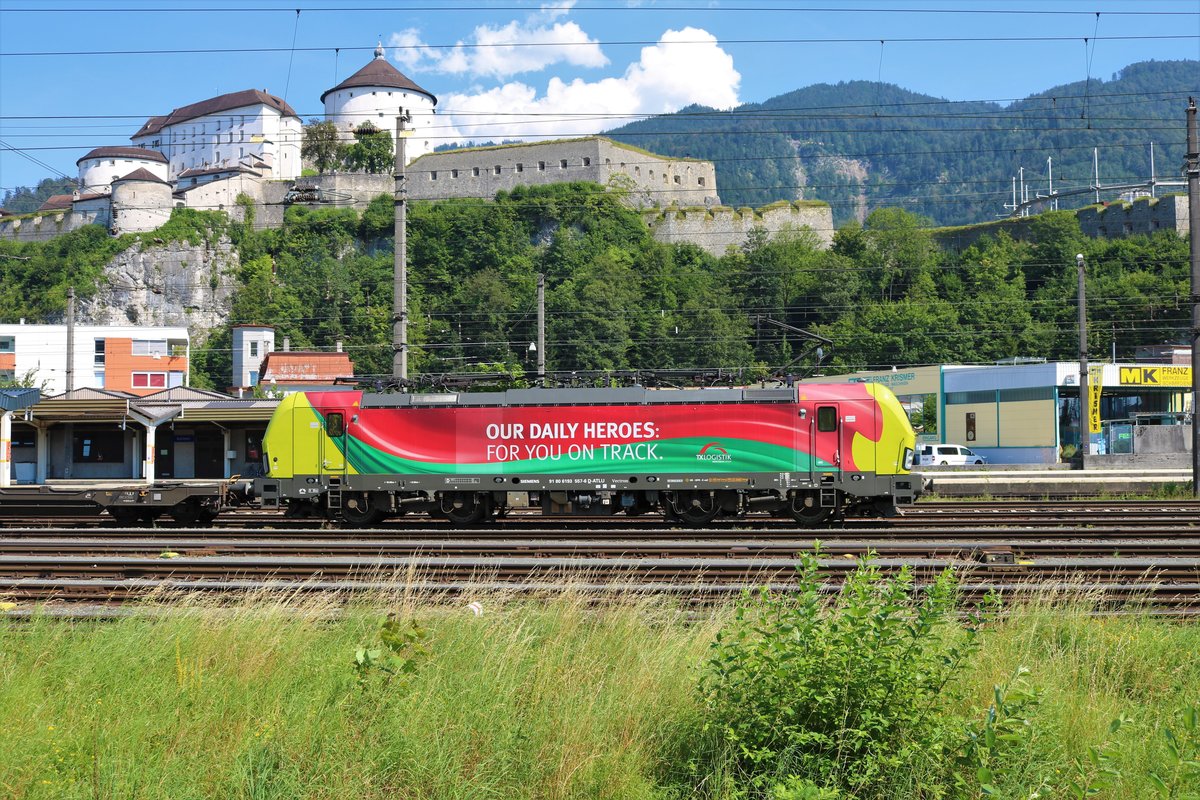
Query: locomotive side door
{"x": 827, "y": 437}
{"x": 333, "y": 443}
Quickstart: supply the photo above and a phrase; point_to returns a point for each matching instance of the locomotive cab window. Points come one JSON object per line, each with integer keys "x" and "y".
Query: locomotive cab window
{"x": 827, "y": 419}
{"x": 335, "y": 424}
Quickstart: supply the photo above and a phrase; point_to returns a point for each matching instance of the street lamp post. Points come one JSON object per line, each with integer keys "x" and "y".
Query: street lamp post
{"x": 1085, "y": 427}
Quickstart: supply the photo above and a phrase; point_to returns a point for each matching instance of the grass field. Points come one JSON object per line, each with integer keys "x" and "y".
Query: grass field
{"x": 554, "y": 698}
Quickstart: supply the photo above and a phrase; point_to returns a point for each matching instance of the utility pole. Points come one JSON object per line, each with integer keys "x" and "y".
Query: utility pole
{"x": 400, "y": 279}
{"x": 541, "y": 333}
{"x": 1192, "y": 168}
{"x": 1085, "y": 408}
{"x": 70, "y": 338}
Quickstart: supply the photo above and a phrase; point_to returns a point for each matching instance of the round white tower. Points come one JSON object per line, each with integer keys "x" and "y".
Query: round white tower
{"x": 99, "y": 168}
{"x": 377, "y": 93}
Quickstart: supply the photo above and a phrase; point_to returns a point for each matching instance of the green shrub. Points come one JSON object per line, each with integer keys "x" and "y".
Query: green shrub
{"x": 849, "y": 694}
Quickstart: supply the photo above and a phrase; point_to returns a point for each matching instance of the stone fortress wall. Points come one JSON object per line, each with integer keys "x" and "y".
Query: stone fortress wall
{"x": 484, "y": 171}
{"x": 718, "y": 228}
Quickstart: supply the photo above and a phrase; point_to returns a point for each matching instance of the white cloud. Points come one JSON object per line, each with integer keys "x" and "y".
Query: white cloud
{"x": 499, "y": 52}
{"x": 683, "y": 67}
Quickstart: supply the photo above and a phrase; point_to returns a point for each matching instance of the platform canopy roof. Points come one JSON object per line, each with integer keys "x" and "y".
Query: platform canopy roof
{"x": 17, "y": 399}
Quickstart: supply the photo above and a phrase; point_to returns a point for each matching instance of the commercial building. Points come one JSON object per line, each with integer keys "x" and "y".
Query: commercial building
{"x": 1029, "y": 413}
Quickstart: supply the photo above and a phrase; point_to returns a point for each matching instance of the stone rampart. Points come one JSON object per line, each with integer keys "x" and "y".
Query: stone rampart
{"x": 718, "y": 228}
{"x": 1143, "y": 215}
{"x": 47, "y": 225}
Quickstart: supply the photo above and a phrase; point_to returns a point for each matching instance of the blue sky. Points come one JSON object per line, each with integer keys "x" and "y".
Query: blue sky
{"x": 546, "y": 69}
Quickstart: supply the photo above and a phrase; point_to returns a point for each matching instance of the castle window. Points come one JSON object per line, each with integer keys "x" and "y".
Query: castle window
{"x": 520, "y": 167}
{"x": 608, "y": 162}
{"x": 433, "y": 175}
{"x": 497, "y": 169}
{"x": 587, "y": 162}
{"x": 664, "y": 177}
{"x": 453, "y": 172}
{"x": 541, "y": 166}
{"x": 699, "y": 181}
{"x": 562, "y": 164}
{"x": 636, "y": 171}
{"x": 678, "y": 180}
{"x": 475, "y": 171}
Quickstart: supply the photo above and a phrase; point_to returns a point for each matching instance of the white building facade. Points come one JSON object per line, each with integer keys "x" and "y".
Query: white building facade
{"x": 138, "y": 360}
{"x": 250, "y": 128}
{"x": 376, "y": 94}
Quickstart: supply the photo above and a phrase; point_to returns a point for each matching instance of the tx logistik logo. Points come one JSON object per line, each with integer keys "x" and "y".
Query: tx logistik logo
{"x": 713, "y": 452}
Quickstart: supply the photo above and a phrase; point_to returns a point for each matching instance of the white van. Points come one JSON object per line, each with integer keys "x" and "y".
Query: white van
{"x": 948, "y": 454}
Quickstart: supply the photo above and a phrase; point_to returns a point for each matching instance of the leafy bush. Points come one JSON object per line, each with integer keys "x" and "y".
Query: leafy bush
{"x": 844, "y": 695}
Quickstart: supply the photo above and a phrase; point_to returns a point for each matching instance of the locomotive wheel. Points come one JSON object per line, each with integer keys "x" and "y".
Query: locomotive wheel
{"x": 466, "y": 508}
{"x": 358, "y": 509}
{"x": 696, "y": 508}
{"x": 806, "y": 509}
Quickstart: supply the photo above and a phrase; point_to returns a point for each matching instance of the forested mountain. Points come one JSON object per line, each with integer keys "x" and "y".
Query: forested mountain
{"x": 863, "y": 145}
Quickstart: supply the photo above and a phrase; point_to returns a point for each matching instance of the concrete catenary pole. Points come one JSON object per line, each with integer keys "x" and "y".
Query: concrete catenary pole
{"x": 1192, "y": 167}
{"x": 400, "y": 279}
{"x": 1085, "y": 408}
{"x": 541, "y": 332}
{"x": 70, "y": 338}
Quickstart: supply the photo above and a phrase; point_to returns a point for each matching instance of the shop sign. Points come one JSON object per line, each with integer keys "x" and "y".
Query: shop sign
{"x": 1171, "y": 376}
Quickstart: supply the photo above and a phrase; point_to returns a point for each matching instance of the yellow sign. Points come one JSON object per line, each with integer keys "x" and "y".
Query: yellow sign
{"x": 1095, "y": 384}
{"x": 1157, "y": 376}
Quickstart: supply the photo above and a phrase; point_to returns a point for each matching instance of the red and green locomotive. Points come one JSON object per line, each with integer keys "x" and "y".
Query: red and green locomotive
{"x": 811, "y": 452}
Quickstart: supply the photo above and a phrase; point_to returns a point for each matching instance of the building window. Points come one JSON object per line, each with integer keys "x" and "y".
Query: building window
{"x": 541, "y": 166}
{"x": 8, "y": 344}
{"x": 587, "y": 162}
{"x": 433, "y": 175}
{"x": 8, "y": 375}
{"x": 99, "y": 357}
{"x": 254, "y": 349}
{"x": 453, "y": 173}
{"x": 475, "y": 171}
{"x": 149, "y": 380}
{"x": 98, "y": 379}
{"x": 699, "y": 181}
{"x": 99, "y": 447}
{"x": 679, "y": 180}
{"x": 149, "y": 347}
{"x": 562, "y": 164}
{"x": 496, "y": 169}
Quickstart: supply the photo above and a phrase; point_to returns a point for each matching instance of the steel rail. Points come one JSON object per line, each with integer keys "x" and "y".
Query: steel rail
{"x": 967, "y": 544}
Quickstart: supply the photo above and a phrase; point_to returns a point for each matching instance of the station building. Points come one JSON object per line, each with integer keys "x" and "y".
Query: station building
{"x": 1029, "y": 413}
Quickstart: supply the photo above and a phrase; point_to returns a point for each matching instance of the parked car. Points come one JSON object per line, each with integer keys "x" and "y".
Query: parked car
{"x": 948, "y": 454}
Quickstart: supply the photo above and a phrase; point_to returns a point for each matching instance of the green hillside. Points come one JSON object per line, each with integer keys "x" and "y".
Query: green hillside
{"x": 862, "y": 145}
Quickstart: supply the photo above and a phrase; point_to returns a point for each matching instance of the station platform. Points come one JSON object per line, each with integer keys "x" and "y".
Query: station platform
{"x": 1008, "y": 482}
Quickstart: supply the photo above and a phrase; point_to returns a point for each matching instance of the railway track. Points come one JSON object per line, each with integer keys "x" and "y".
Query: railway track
{"x": 1148, "y": 551}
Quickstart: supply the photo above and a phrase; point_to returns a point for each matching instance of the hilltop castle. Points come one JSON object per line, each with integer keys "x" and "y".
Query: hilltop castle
{"x": 247, "y": 143}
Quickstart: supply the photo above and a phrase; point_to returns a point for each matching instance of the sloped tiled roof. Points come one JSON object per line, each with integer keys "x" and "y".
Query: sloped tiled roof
{"x": 380, "y": 73}
{"x": 141, "y": 174}
{"x": 305, "y": 366}
{"x": 215, "y": 105}
{"x": 57, "y": 202}
{"x": 144, "y": 153}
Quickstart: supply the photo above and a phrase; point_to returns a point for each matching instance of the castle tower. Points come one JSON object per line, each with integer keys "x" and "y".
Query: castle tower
{"x": 376, "y": 93}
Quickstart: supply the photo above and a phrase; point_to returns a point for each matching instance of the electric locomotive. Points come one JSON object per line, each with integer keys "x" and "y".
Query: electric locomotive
{"x": 812, "y": 452}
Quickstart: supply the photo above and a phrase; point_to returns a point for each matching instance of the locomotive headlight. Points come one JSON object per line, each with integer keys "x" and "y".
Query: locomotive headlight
{"x": 908, "y": 458}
